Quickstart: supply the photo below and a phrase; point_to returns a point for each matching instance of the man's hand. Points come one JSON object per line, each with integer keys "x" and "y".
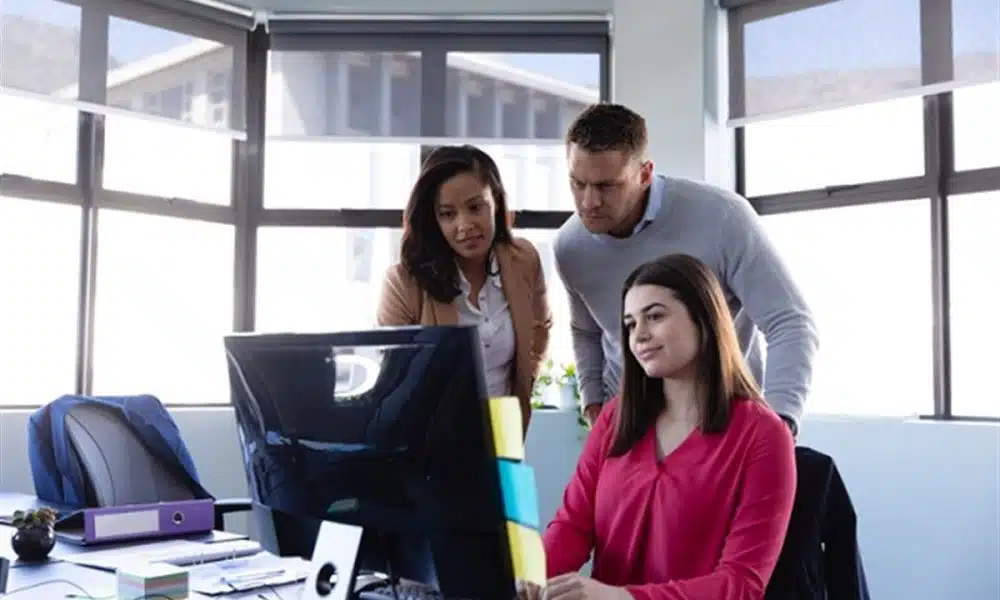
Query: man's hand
{"x": 574, "y": 586}
{"x": 591, "y": 412}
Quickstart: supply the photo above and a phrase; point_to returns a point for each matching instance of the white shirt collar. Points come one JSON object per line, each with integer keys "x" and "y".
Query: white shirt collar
{"x": 493, "y": 276}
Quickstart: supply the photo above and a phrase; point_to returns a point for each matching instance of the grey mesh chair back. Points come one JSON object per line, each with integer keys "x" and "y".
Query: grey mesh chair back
{"x": 119, "y": 469}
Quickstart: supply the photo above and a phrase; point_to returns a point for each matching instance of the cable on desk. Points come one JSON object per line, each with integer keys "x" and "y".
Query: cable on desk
{"x": 84, "y": 594}
{"x": 261, "y": 595}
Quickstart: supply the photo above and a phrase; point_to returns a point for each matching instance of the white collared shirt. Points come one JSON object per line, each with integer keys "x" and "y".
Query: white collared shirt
{"x": 496, "y": 330}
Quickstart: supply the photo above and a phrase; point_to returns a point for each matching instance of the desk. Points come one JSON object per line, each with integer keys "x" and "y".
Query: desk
{"x": 98, "y": 584}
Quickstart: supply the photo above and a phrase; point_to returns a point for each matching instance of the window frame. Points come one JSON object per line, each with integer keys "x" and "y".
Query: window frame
{"x": 939, "y": 181}
{"x": 251, "y": 41}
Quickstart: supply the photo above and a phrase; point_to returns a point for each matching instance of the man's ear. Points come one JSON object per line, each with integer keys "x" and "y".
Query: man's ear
{"x": 646, "y": 172}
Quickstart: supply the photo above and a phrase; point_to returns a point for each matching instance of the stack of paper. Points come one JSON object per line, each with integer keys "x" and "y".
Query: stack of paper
{"x": 520, "y": 496}
{"x": 153, "y": 580}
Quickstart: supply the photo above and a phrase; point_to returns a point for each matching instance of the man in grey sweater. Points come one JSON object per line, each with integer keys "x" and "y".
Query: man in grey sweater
{"x": 627, "y": 215}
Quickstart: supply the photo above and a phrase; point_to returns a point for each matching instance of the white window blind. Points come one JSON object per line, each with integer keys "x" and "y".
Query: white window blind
{"x": 794, "y": 56}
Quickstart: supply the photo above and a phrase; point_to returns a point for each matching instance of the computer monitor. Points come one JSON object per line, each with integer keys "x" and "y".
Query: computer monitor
{"x": 386, "y": 429}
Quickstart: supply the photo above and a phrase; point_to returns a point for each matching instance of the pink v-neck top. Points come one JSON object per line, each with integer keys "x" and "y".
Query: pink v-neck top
{"x": 704, "y": 523}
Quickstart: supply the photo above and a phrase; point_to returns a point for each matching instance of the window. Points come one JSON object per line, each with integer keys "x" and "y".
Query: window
{"x": 187, "y": 106}
{"x": 323, "y": 95}
{"x": 977, "y": 127}
{"x": 517, "y": 99}
{"x": 39, "y": 268}
{"x": 865, "y": 271}
{"x": 39, "y": 53}
{"x": 178, "y": 77}
{"x": 518, "y": 96}
{"x": 162, "y": 67}
{"x": 834, "y": 52}
{"x": 560, "y": 342}
{"x": 974, "y": 288}
{"x": 164, "y": 301}
{"x": 535, "y": 176}
{"x": 40, "y": 46}
{"x": 308, "y": 278}
{"x": 168, "y": 161}
{"x": 39, "y": 139}
{"x": 360, "y": 252}
{"x": 218, "y": 98}
{"x": 172, "y": 102}
{"x": 846, "y": 146}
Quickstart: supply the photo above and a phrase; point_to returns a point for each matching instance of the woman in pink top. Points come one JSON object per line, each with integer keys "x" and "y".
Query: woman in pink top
{"x": 685, "y": 485}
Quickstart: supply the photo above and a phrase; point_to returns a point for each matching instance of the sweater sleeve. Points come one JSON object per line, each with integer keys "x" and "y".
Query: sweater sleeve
{"x": 757, "y": 530}
{"x": 569, "y": 538}
{"x": 755, "y": 273}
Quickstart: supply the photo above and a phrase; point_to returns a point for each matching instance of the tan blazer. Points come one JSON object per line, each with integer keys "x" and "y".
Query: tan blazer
{"x": 403, "y": 303}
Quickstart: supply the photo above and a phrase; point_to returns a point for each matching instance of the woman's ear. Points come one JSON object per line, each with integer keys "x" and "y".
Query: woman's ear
{"x": 511, "y": 218}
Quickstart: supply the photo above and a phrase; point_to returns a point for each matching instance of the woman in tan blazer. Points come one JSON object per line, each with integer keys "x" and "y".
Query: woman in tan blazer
{"x": 460, "y": 264}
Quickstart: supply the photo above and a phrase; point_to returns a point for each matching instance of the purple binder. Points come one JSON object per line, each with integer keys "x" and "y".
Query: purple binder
{"x": 141, "y": 521}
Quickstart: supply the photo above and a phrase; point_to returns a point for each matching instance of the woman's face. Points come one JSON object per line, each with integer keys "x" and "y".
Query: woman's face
{"x": 661, "y": 334}
{"x": 465, "y": 212}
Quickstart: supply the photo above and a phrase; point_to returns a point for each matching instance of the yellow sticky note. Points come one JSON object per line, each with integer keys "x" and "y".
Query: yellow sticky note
{"x": 527, "y": 553}
{"x": 505, "y": 417}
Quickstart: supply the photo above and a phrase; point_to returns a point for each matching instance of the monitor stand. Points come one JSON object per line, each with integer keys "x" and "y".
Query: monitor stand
{"x": 334, "y": 562}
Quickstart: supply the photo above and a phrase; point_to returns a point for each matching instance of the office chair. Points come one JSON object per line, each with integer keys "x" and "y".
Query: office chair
{"x": 118, "y": 469}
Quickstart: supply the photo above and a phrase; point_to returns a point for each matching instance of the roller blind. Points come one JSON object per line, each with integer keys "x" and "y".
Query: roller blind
{"x": 795, "y": 56}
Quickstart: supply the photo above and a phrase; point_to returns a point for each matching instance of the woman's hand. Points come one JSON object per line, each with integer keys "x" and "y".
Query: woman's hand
{"x": 527, "y": 590}
{"x": 574, "y": 586}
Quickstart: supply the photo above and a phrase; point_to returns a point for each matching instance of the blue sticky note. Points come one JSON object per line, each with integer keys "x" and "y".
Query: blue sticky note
{"x": 520, "y": 498}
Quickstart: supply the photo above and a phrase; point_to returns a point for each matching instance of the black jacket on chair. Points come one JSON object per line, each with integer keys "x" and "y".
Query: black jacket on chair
{"x": 820, "y": 559}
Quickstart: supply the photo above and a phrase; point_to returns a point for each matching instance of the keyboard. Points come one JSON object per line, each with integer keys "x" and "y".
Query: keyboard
{"x": 403, "y": 591}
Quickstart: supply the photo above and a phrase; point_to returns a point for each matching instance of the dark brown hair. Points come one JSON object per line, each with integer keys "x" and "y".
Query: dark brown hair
{"x": 603, "y": 127}
{"x": 720, "y": 366}
{"x": 424, "y": 251}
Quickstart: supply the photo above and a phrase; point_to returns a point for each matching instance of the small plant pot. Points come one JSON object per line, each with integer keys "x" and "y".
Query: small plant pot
{"x": 34, "y": 543}
{"x": 568, "y": 399}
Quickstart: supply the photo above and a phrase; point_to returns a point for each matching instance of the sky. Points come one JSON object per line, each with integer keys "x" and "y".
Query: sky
{"x": 840, "y": 35}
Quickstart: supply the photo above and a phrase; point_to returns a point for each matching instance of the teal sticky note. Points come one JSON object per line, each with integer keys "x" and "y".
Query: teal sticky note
{"x": 520, "y": 498}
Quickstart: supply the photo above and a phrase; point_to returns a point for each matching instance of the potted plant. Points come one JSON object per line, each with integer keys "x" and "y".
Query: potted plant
{"x": 539, "y": 393}
{"x": 35, "y": 535}
{"x": 568, "y": 391}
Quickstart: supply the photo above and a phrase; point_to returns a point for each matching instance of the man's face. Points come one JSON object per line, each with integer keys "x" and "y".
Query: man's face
{"x": 608, "y": 188}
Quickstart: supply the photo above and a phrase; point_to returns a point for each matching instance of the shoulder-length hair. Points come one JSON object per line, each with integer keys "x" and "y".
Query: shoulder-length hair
{"x": 720, "y": 367}
{"x": 424, "y": 251}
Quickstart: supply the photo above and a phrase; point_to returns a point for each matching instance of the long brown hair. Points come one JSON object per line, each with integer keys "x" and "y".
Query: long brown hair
{"x": 720, "y": 366}
{"x": 424, "y": 251}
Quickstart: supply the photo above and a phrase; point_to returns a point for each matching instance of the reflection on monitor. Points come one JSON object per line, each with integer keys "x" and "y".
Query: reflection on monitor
{"x": 387, "y": 429}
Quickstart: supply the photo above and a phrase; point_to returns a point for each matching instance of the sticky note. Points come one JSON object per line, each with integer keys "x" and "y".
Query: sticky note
{"x": 505, "y": 418}
{"x": 520, "y": 498}
{"x": 526, "y": 553}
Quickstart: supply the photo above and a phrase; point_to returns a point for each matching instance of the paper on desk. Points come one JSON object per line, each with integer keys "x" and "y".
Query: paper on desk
{"x": 505, "y": 417}
{"x": 178, "y": 552}
{"x": 526, "y": 553}
{"x": 209, "y": 578}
